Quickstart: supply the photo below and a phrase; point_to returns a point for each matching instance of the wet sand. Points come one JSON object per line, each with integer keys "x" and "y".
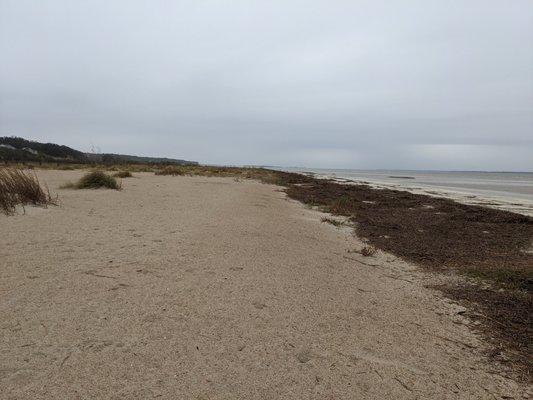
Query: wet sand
{"x": 207, "y": 288}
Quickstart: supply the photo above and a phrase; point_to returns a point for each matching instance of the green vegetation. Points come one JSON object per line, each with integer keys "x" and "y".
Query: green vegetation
{"x": 123, "y": 174}
{"x": 334, "y": 222}
{"x": 128, "y": 159}
{"x": 94, "y": 180}
{"x": 16, "y": 149}
{"x": 171, "y": 170}
{"x": 368, "y": 251}
{"x": 19, "y": 149}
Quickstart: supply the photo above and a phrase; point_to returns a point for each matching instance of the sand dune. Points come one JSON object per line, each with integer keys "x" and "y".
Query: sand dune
{"x": 207, "y": 288}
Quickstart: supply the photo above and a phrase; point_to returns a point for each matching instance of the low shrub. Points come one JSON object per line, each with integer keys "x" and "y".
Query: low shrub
{"x": 368, "y": 251}
{"x": 332, "y": 221}
{"x": 123, "y": 174}
{"x": 171, "y": 170}
{"x": 94, "y": 180}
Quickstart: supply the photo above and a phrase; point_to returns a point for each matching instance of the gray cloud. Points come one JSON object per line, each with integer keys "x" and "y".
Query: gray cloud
{"x": 353, "y": 84}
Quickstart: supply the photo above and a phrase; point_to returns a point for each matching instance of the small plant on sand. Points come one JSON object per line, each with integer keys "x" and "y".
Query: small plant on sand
{"x": 122, "y": 174}
{"x": 20, "y": 187}
{"x": 368, "y": 251}
{"x": 332, "y": 221}
{"x": 343, "y": 206}
{"x": 94, "y": 180}
{"x": 171, "y": 170}
{"x": 141, "y": 168}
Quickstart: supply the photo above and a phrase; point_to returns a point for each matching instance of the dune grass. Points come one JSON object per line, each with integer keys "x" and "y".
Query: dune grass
{"x": 334, "y": 222}
{"x": 94, "y": 180}
{"x": 171, "y": 170}
{"x": 123, "y": 174}
{"x": 18, "y": 187}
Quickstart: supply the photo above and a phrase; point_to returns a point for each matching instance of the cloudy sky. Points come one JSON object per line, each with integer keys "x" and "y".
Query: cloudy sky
{"x": 406, "y": 84}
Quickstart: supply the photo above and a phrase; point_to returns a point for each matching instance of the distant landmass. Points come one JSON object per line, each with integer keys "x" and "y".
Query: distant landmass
{"x": 19, "y": 149}
{"x": 16, "y": 149}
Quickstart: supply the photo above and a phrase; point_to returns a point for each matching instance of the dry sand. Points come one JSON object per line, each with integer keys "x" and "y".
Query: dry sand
{"x": 207, "y": 288}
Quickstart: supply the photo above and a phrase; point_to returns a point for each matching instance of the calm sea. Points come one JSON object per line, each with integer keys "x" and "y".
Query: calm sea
{"x": 507, "y": 190}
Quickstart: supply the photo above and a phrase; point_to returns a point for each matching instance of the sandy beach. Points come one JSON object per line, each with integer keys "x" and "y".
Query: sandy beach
{"x": 212, "y": 288}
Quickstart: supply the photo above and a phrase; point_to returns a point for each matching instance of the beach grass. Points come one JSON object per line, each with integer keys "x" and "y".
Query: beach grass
{"x": 171, "y": 170}
{"x": 332, "y": 221}
{"x": 19, "y": 187}
{"x": 123, "y": 174}
{"x": 94, "y": 180}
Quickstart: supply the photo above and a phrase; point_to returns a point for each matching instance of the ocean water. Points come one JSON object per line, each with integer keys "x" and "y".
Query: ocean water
{"x": 506, "y": 190}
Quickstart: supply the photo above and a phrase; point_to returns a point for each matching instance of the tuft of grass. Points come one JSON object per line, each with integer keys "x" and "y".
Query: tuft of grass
{"x": 332, "y": 221}
{"x": 94, "y": 180}
{"x": 140, "y": 168}
{"x": 368, "y": 251}
{"x": 344, "y": 205}
{"x": 123, "y": 174}
{"x": 171, "y": 170}
{"x": 20, "y": 187}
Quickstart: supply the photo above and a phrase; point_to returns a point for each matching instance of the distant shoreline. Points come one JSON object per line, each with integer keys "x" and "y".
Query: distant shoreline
{"x": 487, "y": 192}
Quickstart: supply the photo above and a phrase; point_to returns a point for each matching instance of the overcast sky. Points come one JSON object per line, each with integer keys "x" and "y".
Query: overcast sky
{"x": 400, "y": 84}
